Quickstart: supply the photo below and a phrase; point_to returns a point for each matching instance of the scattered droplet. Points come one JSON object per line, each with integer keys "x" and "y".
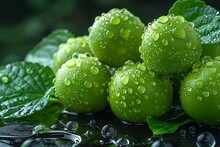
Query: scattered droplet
{"x": 115, "y": 21}
{"x": 71, "y": 126}
{"x": 199, "y": 98}
{"x": 141, "y": 67}
{"x": 179, "y": 33}
{"x": 199, "y": 84}
{"x": 94, "y": 70}
{"x": 205, "y": 94}
{"x": 180, "y": 18}
{"x": 67, "y": 81}
{"x": 205, "y": 139}
{"x": 192, "y": 129}
{"x": 110, "y": 34}
{"x": 125, "y": 80}
{"x": 155, "y": 36}
{"x": 87, "y": 84}
{"x": 141, "y": 89}
{"x": 130, "y": 91}
{"x": 210, "y": 63}
{"x": 138, "y": 101}
{"x": 122, "y": 142}
{"x": 124, "y": 33}
{"x": 108, "y": 132}
{"x": 163, "y": 19}
{"x": 189, "y": 45}
{"x": 70, "y": 63}
{"x": 165, "y": 42}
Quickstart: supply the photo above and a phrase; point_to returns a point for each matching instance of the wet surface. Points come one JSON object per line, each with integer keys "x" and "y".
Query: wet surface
{"x": 104, "y": 129}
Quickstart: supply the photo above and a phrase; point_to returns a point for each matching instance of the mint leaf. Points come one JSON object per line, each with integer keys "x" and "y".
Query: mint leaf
{"x": 205, "y": 18}
{"x": 160, "y": 127}
{"x": 43, "y": 52}
{"x": 25, "y": 89}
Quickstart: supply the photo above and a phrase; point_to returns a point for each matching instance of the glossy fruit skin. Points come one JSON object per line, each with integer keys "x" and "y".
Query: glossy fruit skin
{"x": 81, "y": 85}
{"x": 200, "y": 92}
{"x": 66, "y": 50}
{"x": 115, "y": 37}
{"x": 170, "y": 45}
{"x": 135, "y": 94}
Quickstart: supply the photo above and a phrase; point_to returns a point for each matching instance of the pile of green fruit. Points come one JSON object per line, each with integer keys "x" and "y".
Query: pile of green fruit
{"x": 140, "y": 71}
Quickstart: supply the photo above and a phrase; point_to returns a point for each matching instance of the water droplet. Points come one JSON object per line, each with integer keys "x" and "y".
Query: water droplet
{"x": 110, "y": 34}
{"x": 118, "y": 94}
{"x": 94, "y": 70}
{"x": 130, "y": 91}
{"x": 217, "y": 58}
{"x": 192, "y": 24}
{"x": 214, "y": 92}
{"x": 192, "y": 129}
{"x": 123, "y": 104}
{"x": 71, "y": 126}
{"x": 199, "y": 84}
{"x": 29, "y": 71}
{"x": 165, "y": 42}
{"x": 155, "y": 36}
{"x": 5, "y": 79}
{"x": 189, "y": 45}
{"x": 205, "y": 94}
{"x": 180, "y": 18}
{"x": 141, "y": 89}
{"x": 123, "y": 142}
{"x": 163, "y": 19}
{"x": 115, "y": 21}
{"x": 88, "y": 133}
{"x": 70, "y": 63}
{"x": 153, "y": 83}
{"x": 189, "y": 88}
{"x": 205, "y": 139}
{"x": 124, "y": 17}
{"x": 199, "y": 98}
{"x": 124, "y": 33}
{"x": 179, "y": 33}
{"x": 87, "y": 84}
{"x": 138, "y": 101}
{"x": 92, "y": 123}
{"x": 183, "y": 133}
{"x": 141, "y": 67}
{"x": 67, "y": 81}
{"x": 108, "y": 132}
{"x": 124, "y": 80}
{"x": 155, "y": 27}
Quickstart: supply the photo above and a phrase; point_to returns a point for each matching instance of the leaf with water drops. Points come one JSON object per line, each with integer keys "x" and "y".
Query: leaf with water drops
{"x": 43, "y": 52}
{"x": 205, "y": 18}
{"x": 25, "y": 90}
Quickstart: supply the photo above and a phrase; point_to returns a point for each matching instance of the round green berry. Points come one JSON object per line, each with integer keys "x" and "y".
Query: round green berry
{"x": 81, "y": 84}
{"x": 115, "y": 37}
{"x": 200, "y": 92}
{"x": 135, "y": 94}
{"x": 66, "y": 50}
{"x": 170, "y": 45}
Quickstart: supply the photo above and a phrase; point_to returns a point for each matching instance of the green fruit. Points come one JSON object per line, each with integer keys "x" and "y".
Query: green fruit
{"x": 81, "y": 84}
{"x": 170, "y": 45}
{"x": 200, "y": 92}
{"x": 115, "y": 37}
{"x": 66, "y": 50}
{"x": 135, "y": 94}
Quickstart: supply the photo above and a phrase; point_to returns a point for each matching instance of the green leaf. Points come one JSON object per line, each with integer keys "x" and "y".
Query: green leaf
{"x": 43, "y": 52}
{"x": 25, "y": 90}
{"x": 160, "y": 127}
{"x": 205, "y": 18}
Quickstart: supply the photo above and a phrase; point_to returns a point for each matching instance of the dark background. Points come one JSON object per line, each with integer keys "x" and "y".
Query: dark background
{"x": 23, "y": 23}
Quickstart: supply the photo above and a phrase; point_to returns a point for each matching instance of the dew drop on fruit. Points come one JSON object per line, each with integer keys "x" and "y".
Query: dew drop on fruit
{"x": 110, "y": 34}
{"x": 217, "y": 58}
{"x": 141, "y": 67}
{"x": 179, "y": 33}
{"x": 210, "y": 63}
{"x": 165, "y": 42}
{"x": 138, "y": 101}
{"x": 66, "y": 81}
{"x": 153, "y": 83}
{"x": 124, "y": 80}
{"x": 130, "y": 91}
{"x": 199, "y": 98}
{"x": 123, "y": 104}
{"x": 189, "y": 45}
{"x": 155, "y": 36}
{"x": 87, "y": 84}
{"x": 108, "y": 132}
{"x": 180, "y": 18}
{"x": 5, "y": 79}
{"x": 115, "y": 21}
{"x": 94, "y": 70}
{"x": 124, "y": 33}
{"x": 70, "y": 63}
{"x": 205, "y": 94}
{"x": 199, "y": 84}
{"x": 205, "y": 139}
{"x": 163, "y": 19}
{"x": 141, "y": 89}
